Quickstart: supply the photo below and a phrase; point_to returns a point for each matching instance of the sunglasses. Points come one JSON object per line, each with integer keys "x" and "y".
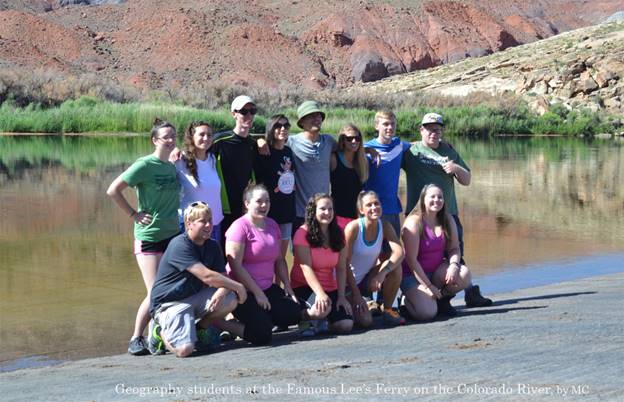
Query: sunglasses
{"x": 244, "y": 112}
{"x": 278, "y": 126}
{"x": 356, "y": 138}
{"x": 196, "y": 203}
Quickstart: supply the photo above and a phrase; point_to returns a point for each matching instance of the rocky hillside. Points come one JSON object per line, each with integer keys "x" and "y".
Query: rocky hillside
{"x": 278, "y": 43}
{"x": 583, "y": 68}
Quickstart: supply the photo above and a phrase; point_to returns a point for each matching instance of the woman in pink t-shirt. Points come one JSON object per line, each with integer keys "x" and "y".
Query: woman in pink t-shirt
{"x": 432, "y": 272}
{"x": 252, "y": 249}
{"x": 319, "y": 270}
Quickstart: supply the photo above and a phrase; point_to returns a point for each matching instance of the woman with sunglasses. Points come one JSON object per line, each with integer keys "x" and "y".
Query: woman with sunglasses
{"x": 276, "y": 172}
{"x": 254, "y": 257}
{"x": 197, "y": 173}
{"x": 156, "y": 217}
{"x": 349, "y": 172}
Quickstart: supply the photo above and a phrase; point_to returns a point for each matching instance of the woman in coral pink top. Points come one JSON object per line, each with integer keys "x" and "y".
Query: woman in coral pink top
{"x": 319, "y": 271}
{"x": 432, "y": 272}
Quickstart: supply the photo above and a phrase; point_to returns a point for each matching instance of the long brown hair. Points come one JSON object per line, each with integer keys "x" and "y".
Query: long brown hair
{"x": 269, "y": 134}
{"x": 189, "y": 157}
{"x": 442, "y": 218}
{"x": 361, "y": 163}
{"x": 315, "y": 236}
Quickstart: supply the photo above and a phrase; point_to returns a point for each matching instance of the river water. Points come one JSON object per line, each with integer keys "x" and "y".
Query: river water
{"x": 537, "y": 209}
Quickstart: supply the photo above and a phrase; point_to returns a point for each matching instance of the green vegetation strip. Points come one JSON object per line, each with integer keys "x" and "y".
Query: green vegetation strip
{"x": 88, "y": 114}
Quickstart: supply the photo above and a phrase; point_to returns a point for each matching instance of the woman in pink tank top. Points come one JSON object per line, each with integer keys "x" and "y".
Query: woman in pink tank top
{"x": 432, "y": 272}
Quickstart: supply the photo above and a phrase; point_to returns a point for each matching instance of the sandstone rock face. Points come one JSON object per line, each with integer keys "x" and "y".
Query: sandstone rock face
{"x": 283, "y": 42}
{"x": 577, "y": 69}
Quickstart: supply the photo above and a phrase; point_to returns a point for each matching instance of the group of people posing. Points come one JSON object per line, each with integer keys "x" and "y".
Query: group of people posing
{"x": 214, "y": 222}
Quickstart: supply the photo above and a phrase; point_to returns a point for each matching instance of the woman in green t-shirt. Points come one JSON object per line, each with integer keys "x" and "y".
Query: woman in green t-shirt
{"x": 156, "y": 217}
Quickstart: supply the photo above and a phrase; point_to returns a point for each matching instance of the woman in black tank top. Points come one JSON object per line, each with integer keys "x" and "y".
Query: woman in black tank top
{"x": 349, "y": 172}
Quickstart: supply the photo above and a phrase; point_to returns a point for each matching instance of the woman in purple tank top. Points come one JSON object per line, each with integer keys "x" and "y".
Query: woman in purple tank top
{"x": 432, "y": 272}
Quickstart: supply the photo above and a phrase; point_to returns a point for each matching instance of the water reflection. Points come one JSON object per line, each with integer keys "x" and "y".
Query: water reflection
{"x": 70, "y": 286}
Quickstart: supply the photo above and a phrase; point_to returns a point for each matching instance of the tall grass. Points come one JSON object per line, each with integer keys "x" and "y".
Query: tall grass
{"x": 89, "y": 114}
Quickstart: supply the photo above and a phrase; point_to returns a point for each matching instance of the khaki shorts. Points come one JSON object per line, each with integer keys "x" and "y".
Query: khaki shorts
{"x": 177, "y": 319}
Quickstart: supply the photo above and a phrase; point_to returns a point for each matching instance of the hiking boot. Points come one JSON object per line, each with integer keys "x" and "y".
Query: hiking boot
{"x": 473, "y": 298}
{"x": 137, "y": 346}
{"x": 155, "y": 344}
{"x": 207, "y": 339}
{"x": 445, "y": 308}
{"x": 392, "y": 318}
{"x": 307, "y": 329}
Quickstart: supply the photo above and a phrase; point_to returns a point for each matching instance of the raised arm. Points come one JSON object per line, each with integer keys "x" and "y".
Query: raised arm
{"x": 115, "y": 191}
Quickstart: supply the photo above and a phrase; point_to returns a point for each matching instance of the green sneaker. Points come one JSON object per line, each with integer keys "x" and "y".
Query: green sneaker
{"x": 207, "y": 339}
{"x": 155, "y": 344}
{"x": 307, "y": 329}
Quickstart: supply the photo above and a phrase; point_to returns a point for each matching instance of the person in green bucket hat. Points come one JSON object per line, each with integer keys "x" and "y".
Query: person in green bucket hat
{"x": 307, "y": 108}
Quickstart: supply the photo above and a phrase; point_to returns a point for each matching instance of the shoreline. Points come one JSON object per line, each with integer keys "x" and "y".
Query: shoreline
{"x": 492, "y": 285}
{"x": 534, "y": 342}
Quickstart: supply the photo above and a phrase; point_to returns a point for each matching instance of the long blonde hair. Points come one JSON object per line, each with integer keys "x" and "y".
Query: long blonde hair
{"x": 361, "y": 163}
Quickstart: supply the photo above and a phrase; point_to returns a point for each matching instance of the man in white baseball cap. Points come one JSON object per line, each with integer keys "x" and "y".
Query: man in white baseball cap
{"x": 236, "y": 152}
{"x": 432, "y": 160}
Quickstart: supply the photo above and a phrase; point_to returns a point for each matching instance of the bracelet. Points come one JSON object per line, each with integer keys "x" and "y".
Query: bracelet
{"x": 456, "y": 264}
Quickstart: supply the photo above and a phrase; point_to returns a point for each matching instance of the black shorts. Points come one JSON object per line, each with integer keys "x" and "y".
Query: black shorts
{"x": 306, "y": 295}
{"x": 151, "y": 247}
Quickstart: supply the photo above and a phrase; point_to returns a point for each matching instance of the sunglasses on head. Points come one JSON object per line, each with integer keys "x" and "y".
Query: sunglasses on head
{"x": 244, "y": 112}
{"x": 277, "y": 126}
{"x": 196, "y": 203}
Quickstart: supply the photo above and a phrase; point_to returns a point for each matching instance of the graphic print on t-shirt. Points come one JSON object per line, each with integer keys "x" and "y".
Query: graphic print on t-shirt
{"x": 286, "y": 181}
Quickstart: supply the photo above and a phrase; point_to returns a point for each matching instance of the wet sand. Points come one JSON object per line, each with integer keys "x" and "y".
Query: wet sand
{"x": 547, "y": 343}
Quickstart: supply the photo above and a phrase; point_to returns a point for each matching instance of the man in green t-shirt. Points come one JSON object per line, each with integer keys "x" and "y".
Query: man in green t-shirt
{"x": 434, "y": 161}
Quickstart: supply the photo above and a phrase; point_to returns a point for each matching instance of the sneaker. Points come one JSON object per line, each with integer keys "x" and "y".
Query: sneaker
{"x": 279, "y": 328}
{"x": 445, "y": 308}
{"x": 374, "y": 308}
{"x": 226, "y": 336}
{"x": 307, "y": 329}
{"x": 392, "y": 318}
{"x": 137, "y": 346}
{"x": 155, "y": 344}
{"x": 207, "y": 339}
{"x": 473, "y": 298}
{"x": 322, "y": 326}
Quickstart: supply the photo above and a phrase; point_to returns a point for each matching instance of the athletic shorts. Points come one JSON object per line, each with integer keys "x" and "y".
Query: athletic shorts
{"x": 306, "y": 295}
{"x": 151, "y": 248}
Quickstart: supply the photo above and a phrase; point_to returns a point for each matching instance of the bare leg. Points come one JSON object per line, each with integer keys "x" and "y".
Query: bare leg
{"x": 148, "y": 264}
{"x": 420, "y": 305}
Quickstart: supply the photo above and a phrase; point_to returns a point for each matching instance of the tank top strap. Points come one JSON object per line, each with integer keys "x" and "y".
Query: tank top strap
{"x": 363, "y": 232}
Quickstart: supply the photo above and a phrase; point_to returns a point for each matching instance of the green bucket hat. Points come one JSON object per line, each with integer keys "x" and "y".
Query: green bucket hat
{"x": 306, "y": 108}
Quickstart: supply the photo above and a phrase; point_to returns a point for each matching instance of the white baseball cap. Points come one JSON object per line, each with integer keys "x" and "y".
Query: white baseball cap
{"x": 240, "y": 101}
{"x": 432, "y": 118}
